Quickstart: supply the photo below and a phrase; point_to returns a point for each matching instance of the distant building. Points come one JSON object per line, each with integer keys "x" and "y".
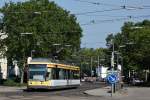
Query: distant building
{"x": 3, "y": 59}
{"x": 3, "y": 65}
{"x": 101, "y": 72}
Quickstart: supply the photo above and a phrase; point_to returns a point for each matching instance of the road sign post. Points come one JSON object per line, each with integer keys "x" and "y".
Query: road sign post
{"x": 112, "y": 79}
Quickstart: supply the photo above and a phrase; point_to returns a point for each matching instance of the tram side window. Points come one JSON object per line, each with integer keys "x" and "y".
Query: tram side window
{"x": 62, "y": 74}
{"x": 53, "y": 73}
{"x": 76, "y": 75}
{"x": 65, "y": 74}
{"x": 49, "y": 74}
{"x": 68, "y": 74}
{"x": 58, "y": 73}
{"x": 73, "y": 74}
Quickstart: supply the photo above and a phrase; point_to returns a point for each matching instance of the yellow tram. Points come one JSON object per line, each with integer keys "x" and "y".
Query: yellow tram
{"x": 42, "y": 73}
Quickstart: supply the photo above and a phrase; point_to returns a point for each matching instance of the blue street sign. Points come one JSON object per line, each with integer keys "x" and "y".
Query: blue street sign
{"x": 112, "y": 78}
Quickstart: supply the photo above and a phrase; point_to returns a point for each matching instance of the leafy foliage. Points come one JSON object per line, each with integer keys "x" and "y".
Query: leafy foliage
{"x": 135, "y": 40}
{"x": 88, "y": 57}
{"x": 48, "y": 24}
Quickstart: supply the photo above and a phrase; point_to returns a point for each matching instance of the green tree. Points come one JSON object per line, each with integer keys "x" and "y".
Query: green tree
{"x": 89, "y": 57}
{"x": 48, "y": 24}
{"x": 135, "y": 39}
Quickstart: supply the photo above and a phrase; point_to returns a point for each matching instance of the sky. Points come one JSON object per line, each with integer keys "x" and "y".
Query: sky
{"x": 98, "y": 18}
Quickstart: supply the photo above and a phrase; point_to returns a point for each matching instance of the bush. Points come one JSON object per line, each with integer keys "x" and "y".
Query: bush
{"x": 147, "y": 84}
{"x": 10, "y": 82}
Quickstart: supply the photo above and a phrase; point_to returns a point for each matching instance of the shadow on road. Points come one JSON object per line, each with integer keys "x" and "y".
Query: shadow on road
{"x": 48, "y": 90}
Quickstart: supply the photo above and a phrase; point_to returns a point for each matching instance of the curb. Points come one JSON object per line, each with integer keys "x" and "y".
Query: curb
{"x": 101, "y": 92}
{"x": 105, "y": 92}
{"x": 4, "y": 89}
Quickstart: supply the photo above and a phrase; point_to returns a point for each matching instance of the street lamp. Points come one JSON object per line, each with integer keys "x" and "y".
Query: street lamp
{"x": 61, "y": 47}
{"x": 119, "y": 67}
{"x": 111, "y": 43}
{"x": 130, "y": 43}
{"x": 58, "y": 51}
{"x": 36, "y": 12}
{"x": 112, "y": 56}
{"x": 112, "y": 64}
{"x": 32, "y": 53}
{"x": 22, "y": 76}
{"x": 91, "y": 66}
{"x": 136, "y": 27}
{"x": 121, "y": 46}
{"x": 67, "y": 45}
{"x": 25, "y": 33}
{"x": 124, "y": 46}
{"x": 56, "y": 44}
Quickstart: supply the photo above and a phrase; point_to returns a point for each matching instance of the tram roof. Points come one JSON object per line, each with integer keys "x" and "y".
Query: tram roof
{"x": 41, "y": 60}
{"x": 50, "y": 62}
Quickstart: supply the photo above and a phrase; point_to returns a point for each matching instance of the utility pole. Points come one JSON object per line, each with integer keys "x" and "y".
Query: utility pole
{"x": 112, "y": 66}
{"x": 112, "y": 55}
{"x": 91, "y": 65}
{"x": 81, "y": 71}
{"x": 24, "y": 56}
{"x": 98, "y": 65}
{"x": 112, "y": 58}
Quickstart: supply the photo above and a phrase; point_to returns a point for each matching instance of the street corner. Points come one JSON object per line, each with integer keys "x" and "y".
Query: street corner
{"x": 101, "y": 92}
{"x": 121, "y": 93}
{"x": 106, "y": 92}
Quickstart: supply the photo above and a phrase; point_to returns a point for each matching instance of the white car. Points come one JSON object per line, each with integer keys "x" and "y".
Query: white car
{"x": 136, "y": 81}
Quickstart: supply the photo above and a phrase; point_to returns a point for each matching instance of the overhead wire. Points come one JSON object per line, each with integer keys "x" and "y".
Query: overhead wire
{"x": 96, "y": 3}
{"x": 108, "y": 10}
{"x": 81, "y": 13}
{"x": 103, "y": 15}
{"x": 89, "y": 12}
{"x": 97, "y": 11}
{"x": 112, "y": 5}
{"x": 92, "y": 12}
{"x": 120, "y": 7}
{"x": 112, "y": 20}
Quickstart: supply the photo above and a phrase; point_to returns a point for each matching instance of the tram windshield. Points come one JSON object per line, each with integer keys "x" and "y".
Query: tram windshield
{"x": 37, "y": 72}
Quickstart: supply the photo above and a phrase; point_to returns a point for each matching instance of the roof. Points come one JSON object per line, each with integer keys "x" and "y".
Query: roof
{"x": 41, "y": 60}
{"x": 51, "y": 63}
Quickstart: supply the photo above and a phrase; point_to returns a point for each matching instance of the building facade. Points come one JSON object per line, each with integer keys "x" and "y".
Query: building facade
{"x": 3, "y": 67}
{"x": 3, "y": 59}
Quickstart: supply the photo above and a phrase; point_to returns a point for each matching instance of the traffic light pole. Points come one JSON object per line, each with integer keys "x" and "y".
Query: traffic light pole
{"x": 112, "y": 68}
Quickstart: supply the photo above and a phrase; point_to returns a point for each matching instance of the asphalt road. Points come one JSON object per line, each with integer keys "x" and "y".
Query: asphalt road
{"x": 78, "y": 92}
{"x": 133, "y": 93}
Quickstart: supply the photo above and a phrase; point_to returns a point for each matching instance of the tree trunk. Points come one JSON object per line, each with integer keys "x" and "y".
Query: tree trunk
{"x": 22, "y": 76}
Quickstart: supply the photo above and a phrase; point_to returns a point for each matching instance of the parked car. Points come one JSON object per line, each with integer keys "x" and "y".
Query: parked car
{"x": 136, "y": 81}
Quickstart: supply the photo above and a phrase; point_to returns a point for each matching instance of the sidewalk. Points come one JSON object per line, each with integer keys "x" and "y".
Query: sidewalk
{"x": 11, "y": 89}
{"x": 106, "y": 92}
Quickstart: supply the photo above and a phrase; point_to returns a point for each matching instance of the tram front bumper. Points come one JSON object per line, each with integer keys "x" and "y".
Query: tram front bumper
{"x": 39, "y": 84}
